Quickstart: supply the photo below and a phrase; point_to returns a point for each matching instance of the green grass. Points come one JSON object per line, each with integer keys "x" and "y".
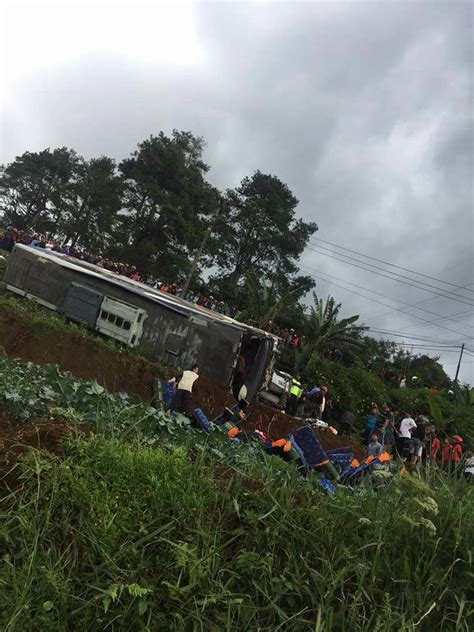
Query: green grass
{"x": 123, "y": 537}
{"x": 140, "y": 528}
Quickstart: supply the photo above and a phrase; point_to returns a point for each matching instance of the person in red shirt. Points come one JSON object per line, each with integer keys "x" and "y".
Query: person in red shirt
{"x": 433, "y": 444}
{"x": 435, "y": 448}
{"x": 447, "y": 453}
{"x": 456, "y": 454}
{"x": 295, "y": 341}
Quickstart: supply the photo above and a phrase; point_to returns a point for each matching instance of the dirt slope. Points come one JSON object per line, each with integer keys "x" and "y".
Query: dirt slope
{"x": 118, "y": 370}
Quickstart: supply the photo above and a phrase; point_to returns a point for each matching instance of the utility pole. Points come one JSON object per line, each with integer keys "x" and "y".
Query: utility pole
{"x": 200, "y": 250}
{"x": 459, "y": 364}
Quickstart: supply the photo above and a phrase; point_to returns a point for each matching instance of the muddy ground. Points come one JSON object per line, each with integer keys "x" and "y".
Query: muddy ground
{"x": 120, "y": 370}
{"x": 16, "y": 439}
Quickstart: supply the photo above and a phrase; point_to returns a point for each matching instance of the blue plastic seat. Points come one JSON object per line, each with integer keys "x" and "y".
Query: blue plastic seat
{"x": 309, "y": 448}
{"x": 201, "y": 418}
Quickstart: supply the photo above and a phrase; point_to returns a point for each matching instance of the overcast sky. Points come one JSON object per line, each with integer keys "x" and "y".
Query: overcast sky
{"x": 365, "y": 109}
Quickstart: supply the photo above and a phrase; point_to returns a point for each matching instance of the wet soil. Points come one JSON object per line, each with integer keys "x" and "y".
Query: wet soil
{"x": 16, "y": 440}
{"x": 119, "y": 370}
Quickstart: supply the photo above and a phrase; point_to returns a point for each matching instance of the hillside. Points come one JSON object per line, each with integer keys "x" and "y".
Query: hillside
{"x": 118, "y": 516}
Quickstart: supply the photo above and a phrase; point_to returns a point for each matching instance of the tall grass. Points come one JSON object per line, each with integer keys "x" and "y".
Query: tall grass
{"x": 124, "y": 537}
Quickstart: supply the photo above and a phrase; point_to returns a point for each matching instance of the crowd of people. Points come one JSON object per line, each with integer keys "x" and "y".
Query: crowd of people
{"x": 287, "y": 335}
{"x": 11, "y": 236}
{"x": 414, "y": 440}
{"x": 412, "y": 437}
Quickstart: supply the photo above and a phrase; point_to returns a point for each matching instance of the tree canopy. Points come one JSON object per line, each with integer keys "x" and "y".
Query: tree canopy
{"x": 152, "y": 210}
{"x": 260, "y": 234}
{"x": 166, "y": 204}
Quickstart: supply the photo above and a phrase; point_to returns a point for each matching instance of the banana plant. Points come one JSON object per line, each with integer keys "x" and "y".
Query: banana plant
{"x": 323, "y": 330}
{"x": 264, "y": 302}
{"x": 465, "y": 396}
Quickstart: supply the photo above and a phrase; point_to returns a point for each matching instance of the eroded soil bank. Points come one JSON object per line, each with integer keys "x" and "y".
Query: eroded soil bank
{"x": 119, "y": 370}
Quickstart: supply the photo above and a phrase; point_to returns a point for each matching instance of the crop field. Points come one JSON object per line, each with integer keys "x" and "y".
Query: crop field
{"x": 118, "y": 517}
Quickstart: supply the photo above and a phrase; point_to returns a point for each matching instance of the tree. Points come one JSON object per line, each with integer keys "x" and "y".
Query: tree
{"x": 35, "y": 187}
{"x": 259, "y": 233}
{"x": 96, "y": 199}
{"x": 428, "y": 371}
{"x": 167, "y": 203}
{"x": 324, "y": 331}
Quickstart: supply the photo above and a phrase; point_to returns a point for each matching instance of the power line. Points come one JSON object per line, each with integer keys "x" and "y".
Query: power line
{"x": 393, "y": 265}
{"x": 434, "y": 349}
{"x": 438, "y": 349}
{"x": 419, "y": 285}
{"x": 447, "y": 294}
{"x": 455, "y": 362}
{"x": 425, "y": 300}
{"x": 433, "y": 324}
{"x": 427, "y": 311}
{"x": 454, "y": 318}
{"x": 396, "y": 309}
{"x": 402, "y": 335}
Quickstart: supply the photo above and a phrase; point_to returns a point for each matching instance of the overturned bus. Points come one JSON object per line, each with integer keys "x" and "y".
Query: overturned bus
{"x": 165, "y": 328}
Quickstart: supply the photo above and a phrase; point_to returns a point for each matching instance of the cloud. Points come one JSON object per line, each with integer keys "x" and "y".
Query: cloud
{"x": 364, "y": 109}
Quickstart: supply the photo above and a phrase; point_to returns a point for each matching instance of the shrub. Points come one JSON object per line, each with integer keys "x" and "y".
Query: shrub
{"x": 352, "y": 388}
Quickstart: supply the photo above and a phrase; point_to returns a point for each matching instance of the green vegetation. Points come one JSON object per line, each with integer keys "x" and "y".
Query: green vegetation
{"x": 151, "y": 524}
{"x": 153, "y": 208}
{"x": 141, "y": 528}
{"x": 324, "y": 331}
{"x": 29, "y": 392}
{"x": 353, "y": 387}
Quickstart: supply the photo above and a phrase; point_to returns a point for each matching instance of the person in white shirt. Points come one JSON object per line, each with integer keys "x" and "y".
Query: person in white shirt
{"x": 182, "y": 398}
{"x": 406, "y": 428}
{"x": 469, "y": 470}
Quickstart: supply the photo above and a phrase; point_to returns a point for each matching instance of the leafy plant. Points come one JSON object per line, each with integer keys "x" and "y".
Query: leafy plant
{"x": 323, "y": 329}
{"x": 129, "y": 537}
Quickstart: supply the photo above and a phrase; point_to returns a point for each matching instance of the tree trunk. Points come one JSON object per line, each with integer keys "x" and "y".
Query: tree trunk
{"x": 235, "y": 276}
